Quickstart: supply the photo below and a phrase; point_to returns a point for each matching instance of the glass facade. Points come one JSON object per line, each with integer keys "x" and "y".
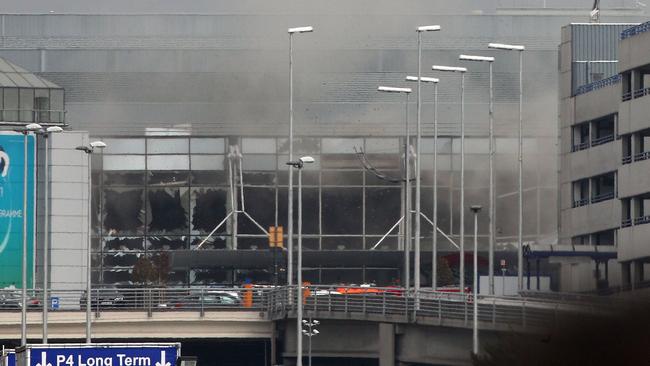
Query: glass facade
{"x": 162, "y": 194}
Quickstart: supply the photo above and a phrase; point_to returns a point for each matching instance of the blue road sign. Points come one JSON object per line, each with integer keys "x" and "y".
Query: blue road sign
{"x": 54, "y": 301}
{"x": 100, "y": 355}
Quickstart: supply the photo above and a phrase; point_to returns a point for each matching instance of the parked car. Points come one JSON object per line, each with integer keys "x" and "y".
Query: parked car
{"x": 104, "y": 298}
{"x": 11, "y": 299}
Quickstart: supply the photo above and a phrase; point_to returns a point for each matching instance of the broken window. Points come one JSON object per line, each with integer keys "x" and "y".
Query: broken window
{"x": 168, "y": 210}
{"x": 167, "y": 242}
{"x": 342, "y": 210}
{"x": 123, "y": 211}
{"x": 209, "y": 207}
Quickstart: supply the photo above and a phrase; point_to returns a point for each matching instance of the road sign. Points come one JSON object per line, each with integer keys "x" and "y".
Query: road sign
{"x": 99, "y": 354}
{"x": 54, "y": 301}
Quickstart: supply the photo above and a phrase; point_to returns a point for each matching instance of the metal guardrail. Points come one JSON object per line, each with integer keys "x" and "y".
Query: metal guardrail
{"x": 642, "y": 220}
{"x": 637, "y": 29}
{"x": 614, "y": 79}
{"x": 602, "y": 140}
{"x": 626, "y": 96}
{"x": 579, "y": 147}
{"x": 642, "y": 156}
{"x": 641, "y": 92}
{"x": 428, "y": 306}
{"x": 626, "y": 160}
{"x": 581, "y": 202}
{"x": 603, "y": 197}
{"x": 626, "y": 223}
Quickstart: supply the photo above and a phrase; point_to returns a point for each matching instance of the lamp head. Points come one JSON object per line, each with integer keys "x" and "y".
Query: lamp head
{"x": 476, "y": 208}
{"x": 507, "y": 47}
{"x": 307, "y": 160}
{"x": 428, "y": 28}
{"x": 306, "y": 29}
{"x": 54, "y": 129}
{"x": 476, "y": 58}
{"x": 390, "y": 89}
{"x": 315, "y": 331}
{"x": 33, "y": 127}
{"x": 449, "y": 68}
{"x": 98, "y": 144}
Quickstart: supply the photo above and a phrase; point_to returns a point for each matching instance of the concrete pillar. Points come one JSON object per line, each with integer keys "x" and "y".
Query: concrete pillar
{"x": 625, "y": 274}
{"x": 386, "y": 344}
{"x": 637, "y": 272}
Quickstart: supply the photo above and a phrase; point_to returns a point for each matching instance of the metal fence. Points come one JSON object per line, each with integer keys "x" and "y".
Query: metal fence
{"x": 372, "y": 303}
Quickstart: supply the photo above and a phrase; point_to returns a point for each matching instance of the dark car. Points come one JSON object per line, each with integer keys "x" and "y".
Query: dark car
{"x": 12, "y": 299}
{"x": 103, "y": 298}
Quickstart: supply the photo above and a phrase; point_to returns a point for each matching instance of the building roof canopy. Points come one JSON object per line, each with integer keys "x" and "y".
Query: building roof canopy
{"x": 14, "y": 76}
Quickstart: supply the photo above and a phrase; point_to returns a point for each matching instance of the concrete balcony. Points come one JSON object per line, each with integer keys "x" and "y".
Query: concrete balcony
{"x": 597, "y": 103}
{"x": 633, "y": 178}
{"x": 633, "y": 115}
{"x": 593, "y": 161}
{"x": 633, "y": 242}
{"x": 633, "y": 50}
{"x": 595, "y": 217}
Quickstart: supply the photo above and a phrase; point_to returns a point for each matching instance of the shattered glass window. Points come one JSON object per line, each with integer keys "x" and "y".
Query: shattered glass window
{"x": 123, "y": 211}
{"x": 168, "y": 211}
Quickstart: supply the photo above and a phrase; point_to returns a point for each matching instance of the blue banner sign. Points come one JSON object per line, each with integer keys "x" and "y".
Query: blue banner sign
{"x": 12, "y": 189}
{"x": 101, "y": 355}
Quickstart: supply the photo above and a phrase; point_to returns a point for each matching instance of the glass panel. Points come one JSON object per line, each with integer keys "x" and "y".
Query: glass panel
{"x": 215, "y": 242}
{"x": 123, "y": 162}
{"x": 259, "y": 162}
{"x": 210, "y": 276}
{"x": 207, "y": 146}
{"x": 506, "y": 145}
{"x": 444, "y": 145}
{"x": 341, "y": 145}
{"x": 208, "y": 207}
{"x": 123, "y": 211}
{"x": 210, "y": 178}
{"x": 169, "y": 178}
{"x": 339, "y": 178}
{"x": 477, "y": 146}
{"x": 167, "y": 242}
{"x": 301, "y": 145}
{"x": 258, "y": 145}
{"x": 382, "y": 145}
{"x": 260, "y": 203}
{"x": 342, "y": 243}
{"x": 168, "y": 210}
{"x": 383, "y": 206}
{"x": 168, "y": 146}
{"x": 124, "y": 146}
{"x": 168, "y": 162}
{"x": 207, "y": 162}
{"x": 123, "y": 244}
{"x": 11, "y": 105}
{"x": 342, "y": 210}
{"x": 27, "y": 105}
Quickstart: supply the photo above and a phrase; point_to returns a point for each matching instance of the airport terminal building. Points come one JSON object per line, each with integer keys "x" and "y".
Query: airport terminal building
{"x": 183, "y": 100}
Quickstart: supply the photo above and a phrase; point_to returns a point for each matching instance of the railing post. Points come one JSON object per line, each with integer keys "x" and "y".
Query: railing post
{"x": 149, "y": 311}
{"x": 329, "y": 301}
{"x": 97, "y": 304}
{"x": 383, "y": 303}
{"x": 202, "y": 295}
{"x": 363, "y": 304}
{"x": 346, "y": 303}
{"x": 465, "y": 305}
{"x": 439, "y": 310}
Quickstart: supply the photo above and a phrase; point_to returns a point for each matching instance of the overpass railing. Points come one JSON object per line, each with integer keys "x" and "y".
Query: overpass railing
{"x": 374, "y": 303}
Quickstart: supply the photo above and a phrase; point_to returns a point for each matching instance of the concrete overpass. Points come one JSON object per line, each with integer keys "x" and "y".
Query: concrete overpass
{"x": 424, "y": 328}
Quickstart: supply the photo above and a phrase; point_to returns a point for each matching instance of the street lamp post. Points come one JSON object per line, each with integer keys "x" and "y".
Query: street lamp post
{"x": 491, "y": 209}
{"x": 89, "y": 150}
{"x": 291, "y": 32}
{"x": 462, "y": 72}
{"x": 299, "y": 164}
{"x": 46, "y": 219}
{"x": 435, "y": 184}
{"x": 32, "y": 127}
{"x": 407, "y": 185}
{"x": 475, "y": 209}
{"x": 520, "y": 252}
{"x": 310, "y": 332}
{"x": 416, "y": 269}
